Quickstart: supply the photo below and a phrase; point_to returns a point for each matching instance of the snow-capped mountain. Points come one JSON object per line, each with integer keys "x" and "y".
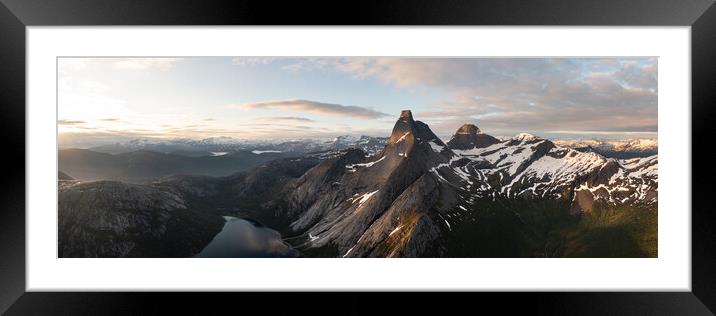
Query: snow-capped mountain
{"x": 354, "y": 201}
{"x": 531, "y": 166}
{"x": 631, "y": 148}
{"x": 343, "y": 140}
{"x": 413, "y": 195}
{"x": 400, "y": 201}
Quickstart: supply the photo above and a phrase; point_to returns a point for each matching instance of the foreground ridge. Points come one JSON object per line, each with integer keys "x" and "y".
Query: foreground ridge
{"x": 403, "y": 200}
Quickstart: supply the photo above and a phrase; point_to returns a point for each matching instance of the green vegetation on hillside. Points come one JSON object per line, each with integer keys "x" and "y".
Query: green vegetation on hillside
{"x": 545, "y": 228}
{"x": 614, "y": 231}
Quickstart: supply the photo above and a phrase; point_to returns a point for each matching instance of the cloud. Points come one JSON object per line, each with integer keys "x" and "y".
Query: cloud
{"x": 401, "y": 72}
{"x": 638, "y": 76}
{"x": 112, "y": 119}
{"x": 160, "y": 63}
{"x": 88, "y": 100}
{"x": 313, "y": 107}
{"x": 69, "y": 122}
{"x": 500, "y": 95}
{"x": 287, "y": 118}
{"x": 246, "y": 61}
{"x": 69, "y": 66}
{"x": 517, "y": 94}
{"x": 601, "y": 132}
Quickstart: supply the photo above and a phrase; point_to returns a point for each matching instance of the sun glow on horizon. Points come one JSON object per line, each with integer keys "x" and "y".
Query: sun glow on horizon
{"x": 112, "y": 99}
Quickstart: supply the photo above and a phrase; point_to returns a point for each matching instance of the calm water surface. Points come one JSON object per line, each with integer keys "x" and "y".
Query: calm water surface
{"x": 240, "y": 238}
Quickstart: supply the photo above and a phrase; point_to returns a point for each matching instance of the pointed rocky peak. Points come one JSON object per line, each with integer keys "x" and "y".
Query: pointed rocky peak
{"x": 414, "y": 140}
{"x": 406, "y": 115}
{"x": 404, "y": 128}
{"x": 409, "y": 131}
{"x": 469, "y": 129}
{"x": 469, "y": 136}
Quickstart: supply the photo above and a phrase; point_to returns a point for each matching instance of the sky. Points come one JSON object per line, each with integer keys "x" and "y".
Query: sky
{"x": 106, "y": 100}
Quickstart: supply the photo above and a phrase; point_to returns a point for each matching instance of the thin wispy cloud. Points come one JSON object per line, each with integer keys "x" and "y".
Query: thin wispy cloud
{"x": 69, "y": 122}
{"x": 314, "y": 107}
{"x": 70, "y": 65}
{"x": 125, "y": 97}
{"x": 145, "y": 63}
{"x": 517, "y": 93}
{"x": 401, "y": 72}
{"x": 600, "y": 132}
{"x": 246, "y": 61}
{"x": 287, "y": 118}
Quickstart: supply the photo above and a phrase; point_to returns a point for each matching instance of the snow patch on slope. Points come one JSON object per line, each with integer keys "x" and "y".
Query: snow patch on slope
{"x": 258, "y": 152}
{"x": 352, "y": 168}
{"x": 436, "y": 148}
{"x": 402, "y": 137}
{"x": 361, "y": 199}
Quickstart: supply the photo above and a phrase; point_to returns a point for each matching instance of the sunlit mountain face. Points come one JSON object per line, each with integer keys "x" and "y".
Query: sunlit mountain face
{"x": 357, "y": 157}
{"x": 410, "y": 194}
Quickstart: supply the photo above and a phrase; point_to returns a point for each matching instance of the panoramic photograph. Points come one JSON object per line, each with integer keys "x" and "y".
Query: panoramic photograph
{"x": 356, "y": 157}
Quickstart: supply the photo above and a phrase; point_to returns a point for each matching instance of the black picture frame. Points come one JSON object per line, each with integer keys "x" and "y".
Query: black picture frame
{"x": 16, "y": 15}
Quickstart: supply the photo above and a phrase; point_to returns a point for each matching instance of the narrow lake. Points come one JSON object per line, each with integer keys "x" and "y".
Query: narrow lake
{"x": 240, "y": 238}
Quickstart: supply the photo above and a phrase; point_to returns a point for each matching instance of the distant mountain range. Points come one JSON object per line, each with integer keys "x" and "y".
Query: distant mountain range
{"x": 408, "y": 195}
{"x": 623, "y": 149}
{"x": 144, "y": 166}
{"x": 220, "y": 145}
{"x": 140, "y": 161}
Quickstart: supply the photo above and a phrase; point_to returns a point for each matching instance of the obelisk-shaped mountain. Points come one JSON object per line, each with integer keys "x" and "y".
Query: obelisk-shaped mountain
{"x": 383, "y": 205}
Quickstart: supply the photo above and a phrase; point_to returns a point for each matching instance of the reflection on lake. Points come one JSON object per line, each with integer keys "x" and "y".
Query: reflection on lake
{"x": 240, "y": 238}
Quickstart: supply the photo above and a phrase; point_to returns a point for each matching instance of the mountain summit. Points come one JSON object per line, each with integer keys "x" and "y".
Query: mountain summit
{"x": 469, "y": 136}
{"x": 468, "y": 129}
{"x": 406, "y": 115}
{"x": 417, "y": 193}
{"x": 415, "y": 196}
{"x": 379, "y": 206}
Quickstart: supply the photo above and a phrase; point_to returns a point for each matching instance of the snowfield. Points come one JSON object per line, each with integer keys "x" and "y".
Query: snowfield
{"x": 527, "y": 164}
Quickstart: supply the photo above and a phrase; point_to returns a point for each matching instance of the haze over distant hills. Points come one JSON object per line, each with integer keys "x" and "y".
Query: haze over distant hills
{"x": 188, "y": 147}
{"x": 622, "y": 149}
{"x": 241, "y": 154}
{"x": 145, "y": 160}
{"x": 221, "y": 145}
{"x": 143, "y": 165}
{"x": 408, "y": 195}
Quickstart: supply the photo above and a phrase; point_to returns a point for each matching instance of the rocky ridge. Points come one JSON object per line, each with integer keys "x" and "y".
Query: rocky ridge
{"x": 400, "y": 201}
{"x": 403, "y": 200}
